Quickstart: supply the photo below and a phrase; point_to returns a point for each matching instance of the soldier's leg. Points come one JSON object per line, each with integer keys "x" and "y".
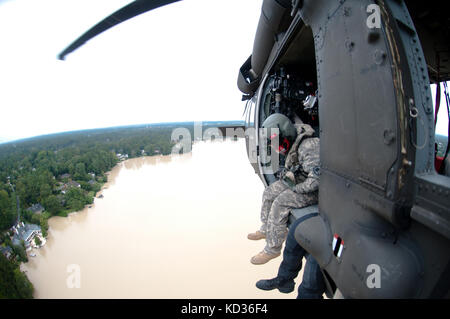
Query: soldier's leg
{"x": 290, "y": 266}
{"x": 270, "y": 193}
{"x": 278, "y": 216}
{"x": 313, "y": 284}
{"x": 292, "y": 255}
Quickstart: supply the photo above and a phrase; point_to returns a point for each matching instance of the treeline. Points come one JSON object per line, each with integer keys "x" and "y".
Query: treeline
{"x": 37, "y": 170}
{"x": 33, "y": 170}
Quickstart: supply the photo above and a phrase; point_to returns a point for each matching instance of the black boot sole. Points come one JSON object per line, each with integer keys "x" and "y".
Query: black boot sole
{"x": 284, "y": 290}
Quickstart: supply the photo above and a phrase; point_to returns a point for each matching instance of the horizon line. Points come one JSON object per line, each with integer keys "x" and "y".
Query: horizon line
{"x": 21, "y": 139}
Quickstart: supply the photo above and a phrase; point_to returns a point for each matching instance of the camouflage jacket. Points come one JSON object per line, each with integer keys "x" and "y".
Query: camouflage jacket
{"x": 303, "y": 161}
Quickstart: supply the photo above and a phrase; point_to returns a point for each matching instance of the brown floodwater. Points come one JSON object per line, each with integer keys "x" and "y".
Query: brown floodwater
{"x": 167, "y": 227}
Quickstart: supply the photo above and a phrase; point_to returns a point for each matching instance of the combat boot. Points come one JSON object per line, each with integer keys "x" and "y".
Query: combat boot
{"x": 284, "y": 286}
{"x": 262, "y": 258}
{"x": 256, "y": 235}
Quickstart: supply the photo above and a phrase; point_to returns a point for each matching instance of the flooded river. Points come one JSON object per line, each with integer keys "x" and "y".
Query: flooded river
{"x": 167, "y": 227}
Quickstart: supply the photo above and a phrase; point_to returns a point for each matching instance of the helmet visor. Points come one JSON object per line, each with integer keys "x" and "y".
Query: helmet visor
{"x": 278, "y": 143}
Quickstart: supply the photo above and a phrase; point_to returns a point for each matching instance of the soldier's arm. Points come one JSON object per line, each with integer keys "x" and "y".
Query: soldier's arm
{"x": 310, "y": 162}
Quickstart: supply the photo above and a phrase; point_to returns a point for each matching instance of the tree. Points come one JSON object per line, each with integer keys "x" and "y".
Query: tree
{"x": 45, "y": 191}
{"x": 37, "y": 241}
{"x": 86, "y": 186}
{"x": 13, "y": 283}
{"x": 7, "y": 210}
{"x": 44, "y": 223}
{"x": 52, "y": 204}
{"x": 76, "y": 199}
{"x": 20, "y": 252}
{"x": 80, "y": 171}
{"x": 75, "y": 204}
{"x": 96, "y": 187}
{"x": 23, "y": 286}
{"x": 36, "y": 219}
{"x": 26, "y": 215}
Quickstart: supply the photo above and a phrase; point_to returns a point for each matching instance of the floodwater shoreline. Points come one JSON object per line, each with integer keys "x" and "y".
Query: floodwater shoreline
{"x": 167, "y": 227}
{"x": 97, "y": 195}
{"x": 32, "y": 252}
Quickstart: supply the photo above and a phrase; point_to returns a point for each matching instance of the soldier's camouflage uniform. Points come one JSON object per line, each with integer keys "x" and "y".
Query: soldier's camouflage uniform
{"x": 302, "y": 163}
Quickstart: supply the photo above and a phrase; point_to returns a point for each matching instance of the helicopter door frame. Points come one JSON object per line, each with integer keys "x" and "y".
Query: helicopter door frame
{"x": 257, "y": 117}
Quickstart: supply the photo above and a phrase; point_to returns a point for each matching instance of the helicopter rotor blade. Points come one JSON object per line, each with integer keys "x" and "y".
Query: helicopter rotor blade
{"x": 127, "y": 12}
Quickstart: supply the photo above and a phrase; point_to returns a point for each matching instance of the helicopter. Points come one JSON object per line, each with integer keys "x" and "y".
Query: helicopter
{"x": 359, "y": 72}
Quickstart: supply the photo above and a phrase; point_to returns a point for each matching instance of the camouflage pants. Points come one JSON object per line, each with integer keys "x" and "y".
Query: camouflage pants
{"x": 278, "y": 201}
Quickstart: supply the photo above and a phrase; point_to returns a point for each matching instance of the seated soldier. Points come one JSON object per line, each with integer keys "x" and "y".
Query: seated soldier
{"x": 296, "y": 188}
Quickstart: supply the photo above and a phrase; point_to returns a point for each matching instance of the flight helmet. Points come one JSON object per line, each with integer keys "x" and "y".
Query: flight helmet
{"x": 286, "y": 132}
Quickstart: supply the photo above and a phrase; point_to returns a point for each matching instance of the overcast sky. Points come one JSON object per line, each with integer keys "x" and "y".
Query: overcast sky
{"x": 177, "y": 63}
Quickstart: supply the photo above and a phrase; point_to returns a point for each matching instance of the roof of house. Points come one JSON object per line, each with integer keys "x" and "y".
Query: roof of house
{"x": 36, "y": 208}
{"x": 6, "y": 249}
{"x": 73, "y": 183}
{"x": 24, "y": 232}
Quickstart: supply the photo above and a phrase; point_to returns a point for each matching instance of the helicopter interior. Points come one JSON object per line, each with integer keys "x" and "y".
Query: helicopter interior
{"x": 290, "y": 89}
